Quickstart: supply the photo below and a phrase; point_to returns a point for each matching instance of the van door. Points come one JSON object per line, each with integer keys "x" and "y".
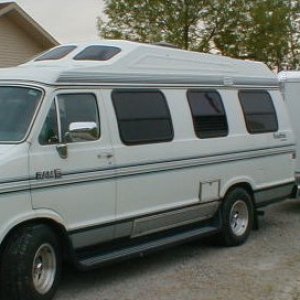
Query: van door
{"x": 157, "y": 188}
{"x": 71, "y": 167}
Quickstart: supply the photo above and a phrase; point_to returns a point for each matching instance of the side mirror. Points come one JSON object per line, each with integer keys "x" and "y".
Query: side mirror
{"x": 82, "y": 131}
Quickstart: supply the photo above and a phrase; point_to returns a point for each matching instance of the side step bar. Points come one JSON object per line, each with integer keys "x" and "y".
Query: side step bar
{"x": 146, "y": 247}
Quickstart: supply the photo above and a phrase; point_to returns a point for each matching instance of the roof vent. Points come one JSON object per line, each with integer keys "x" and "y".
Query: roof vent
{"x": 56, "y": 53}
{"x": 98, "y": 53}
{"x": 165, "y": 44}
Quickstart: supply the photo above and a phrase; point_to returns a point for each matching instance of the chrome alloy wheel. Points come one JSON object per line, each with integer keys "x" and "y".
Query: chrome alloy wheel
{"x": 239, "y": 218}
{"x": 44, "y": 269}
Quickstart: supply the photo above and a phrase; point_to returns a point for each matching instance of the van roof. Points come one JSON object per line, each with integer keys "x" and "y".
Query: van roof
{"x": 289, "y": 76}
{"x": 124, "y": 62}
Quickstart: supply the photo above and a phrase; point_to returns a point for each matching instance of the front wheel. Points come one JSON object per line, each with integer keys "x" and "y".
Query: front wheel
{"x": 31, "y": 264}
{"x": 237, "y": 213}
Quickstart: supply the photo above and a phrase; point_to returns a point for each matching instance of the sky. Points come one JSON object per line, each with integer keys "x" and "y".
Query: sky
{"x": 66, "y": 20}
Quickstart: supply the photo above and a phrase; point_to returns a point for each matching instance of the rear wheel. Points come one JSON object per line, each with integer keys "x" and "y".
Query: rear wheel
{"x": 237, "y": 214}
{"x": 31, "y": 264}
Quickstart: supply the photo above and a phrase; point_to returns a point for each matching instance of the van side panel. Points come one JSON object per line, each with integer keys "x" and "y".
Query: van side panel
{"x": 291, "y": 91}
{"x": 188, "y": 171}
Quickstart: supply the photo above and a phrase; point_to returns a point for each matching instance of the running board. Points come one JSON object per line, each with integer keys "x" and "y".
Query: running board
{"x": 146, "y": 247}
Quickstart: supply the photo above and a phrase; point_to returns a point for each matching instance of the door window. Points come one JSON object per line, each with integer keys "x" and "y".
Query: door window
{"x": 49, "y": 134}
{"x": 72, "y": 118}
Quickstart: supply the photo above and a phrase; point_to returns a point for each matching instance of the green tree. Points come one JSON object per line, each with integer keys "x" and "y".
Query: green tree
{"x": 267, "y": 37}
{"x": 263, "y": 30}
{"x": 174, "y": 21}
{"x": 293, "y": 58}
{"x": 229, "y": 19}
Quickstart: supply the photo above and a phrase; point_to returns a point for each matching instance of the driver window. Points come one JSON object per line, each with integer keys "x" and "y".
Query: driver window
{"x": 79, "y": 117}
{"x": 49, "y": 133}
{"x": 79, "y": 120}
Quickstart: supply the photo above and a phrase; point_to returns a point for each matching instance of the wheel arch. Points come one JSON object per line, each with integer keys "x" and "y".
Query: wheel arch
{"x": 59, "y": 230}
{"x": 244, "y": 183}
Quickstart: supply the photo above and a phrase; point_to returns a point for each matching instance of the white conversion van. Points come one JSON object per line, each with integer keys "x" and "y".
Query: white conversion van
{"x": 114, "y": 149}
{"x": 290, "y": 86}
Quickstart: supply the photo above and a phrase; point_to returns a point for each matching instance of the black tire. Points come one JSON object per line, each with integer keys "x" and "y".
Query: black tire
{"x": 28, "y": 246}
{"x": 237, "y": 213}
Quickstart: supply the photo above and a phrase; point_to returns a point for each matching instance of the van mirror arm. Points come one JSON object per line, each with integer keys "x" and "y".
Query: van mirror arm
{"x": 62, "y": 151}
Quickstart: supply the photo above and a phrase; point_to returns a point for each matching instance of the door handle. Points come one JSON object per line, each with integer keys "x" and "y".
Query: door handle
{"x": 105, "y": 155}
{"x": 109, "y": 155}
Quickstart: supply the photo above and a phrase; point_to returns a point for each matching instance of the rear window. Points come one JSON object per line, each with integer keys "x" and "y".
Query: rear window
{"x": 99, "y": 53}
{"x": 208, "y": 113}
{"x": 259, "y": 111}
{"x": 56, "y": 53}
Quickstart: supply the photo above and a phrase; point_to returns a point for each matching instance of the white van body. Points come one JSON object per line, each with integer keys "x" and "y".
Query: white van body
{"x": 290, "y": 86}
{"x": 99, "y": 191}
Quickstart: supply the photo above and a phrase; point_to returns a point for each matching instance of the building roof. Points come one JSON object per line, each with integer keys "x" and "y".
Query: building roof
{"x": 24, "y": 21}
{"x": 138, "y": 63}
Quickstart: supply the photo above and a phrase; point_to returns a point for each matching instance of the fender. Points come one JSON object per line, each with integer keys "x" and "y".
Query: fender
{"x": 236, "y": 181}
{"x": 27, "y": 217}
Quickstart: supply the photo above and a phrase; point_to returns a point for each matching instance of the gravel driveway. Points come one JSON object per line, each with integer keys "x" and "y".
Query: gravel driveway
{"x": 266, "y": 267}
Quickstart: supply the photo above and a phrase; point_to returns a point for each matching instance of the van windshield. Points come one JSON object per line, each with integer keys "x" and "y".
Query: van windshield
{"x": 17, "y": 108}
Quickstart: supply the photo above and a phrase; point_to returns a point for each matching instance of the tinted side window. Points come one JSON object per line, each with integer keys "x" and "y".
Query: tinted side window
{"x": 259, "y": 111}
{"x": 143, "y": 116}
{"x": 79, "y": 117}
{"x": 208, "y": 113}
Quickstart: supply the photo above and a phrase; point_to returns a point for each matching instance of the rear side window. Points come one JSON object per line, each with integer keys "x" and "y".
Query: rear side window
{"x": 208, "y": 113}
{"x": 143, "y": 116}
{"x": 259, "y": 112}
